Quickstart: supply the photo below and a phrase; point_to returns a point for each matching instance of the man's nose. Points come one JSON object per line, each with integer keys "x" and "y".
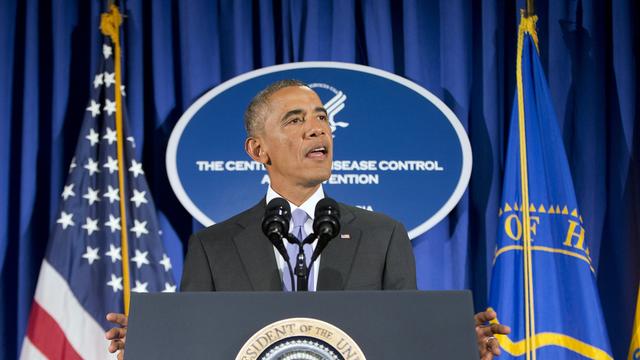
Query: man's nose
{"x": 316, "y": 130}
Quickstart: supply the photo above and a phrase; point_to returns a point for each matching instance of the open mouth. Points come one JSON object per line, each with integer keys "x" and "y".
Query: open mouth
{"x": 319, "y": 152}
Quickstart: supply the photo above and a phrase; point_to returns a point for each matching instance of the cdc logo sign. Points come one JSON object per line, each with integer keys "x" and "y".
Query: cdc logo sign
{"x": 398, "y": 149}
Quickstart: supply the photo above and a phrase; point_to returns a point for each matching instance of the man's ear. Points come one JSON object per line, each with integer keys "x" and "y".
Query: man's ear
{"x": 255, "y": 150}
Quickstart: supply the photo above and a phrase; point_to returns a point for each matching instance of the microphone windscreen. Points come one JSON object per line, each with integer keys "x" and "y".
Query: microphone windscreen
{"x": 275, "y": 223}
{"x": 327, "y": 204}
{"x": 277, "y": 203}
{"x": 276, "y": 217}
{"x": 327, "y": 218}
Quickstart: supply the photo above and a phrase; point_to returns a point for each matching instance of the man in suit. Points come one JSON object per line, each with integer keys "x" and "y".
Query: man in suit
{"x": 288, "y": 131}
{"x": 372, "y": 253}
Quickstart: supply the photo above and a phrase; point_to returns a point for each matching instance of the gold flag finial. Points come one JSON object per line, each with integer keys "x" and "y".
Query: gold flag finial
{"x": 110, "y": 22}
{"x": 528, "y": 24}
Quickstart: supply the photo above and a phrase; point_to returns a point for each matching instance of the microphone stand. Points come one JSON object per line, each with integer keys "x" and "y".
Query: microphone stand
{"x": 293, "y": 284}
{"x": 309, "y": 240}
{"x": 301, "y": 270}
{"x": 279, "y": 244}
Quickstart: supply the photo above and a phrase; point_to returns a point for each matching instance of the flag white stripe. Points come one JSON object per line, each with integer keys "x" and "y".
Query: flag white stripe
{"x": 82, "y": 331}
{"x": 30, "y": 352}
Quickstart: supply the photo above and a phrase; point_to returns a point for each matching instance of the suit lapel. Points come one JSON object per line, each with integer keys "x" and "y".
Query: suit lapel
{"x": 256, "y": 252}
{"x": 338, "y": 256}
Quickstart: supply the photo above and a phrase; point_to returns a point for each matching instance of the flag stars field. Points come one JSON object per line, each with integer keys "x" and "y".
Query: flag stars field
{"x": 94, "y": 108}
{"x": 91, "y": 166}
{"x": 113, "y": 223}
{"x": 112, "y": 194}
{"x": 110, "y": 134}
{"x": 91, "y": 255}
{"x": 109, "y": 79}
{"x": 111, "y": 164}
{"x": 115, "y": 283}
{"x": 136, "y": 168}
{"x": 109, "y": 107}
{"x": 73, "y": 164}
{"x": 140, "y": 258}
{"x": 140, "y": 227}
{"x": 68, "y": 192}
{"x": 138, "y": 197}
{"x": 141, "y": 287}
{"x": 106, "y": 51}
{"x": 91, "y": 195}
{"x": 97, "y": 81}
{"x": 91, "y": 225}
{"x": 93, "y": 137}
{"x": 114, "y": 253}
{"x": 65, "y": 220}
{"x": 168, "y": 288}
{"x": 165, "y": 262}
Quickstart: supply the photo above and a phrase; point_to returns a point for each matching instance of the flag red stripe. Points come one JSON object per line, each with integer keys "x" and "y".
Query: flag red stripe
{"x": 47, "y": 336}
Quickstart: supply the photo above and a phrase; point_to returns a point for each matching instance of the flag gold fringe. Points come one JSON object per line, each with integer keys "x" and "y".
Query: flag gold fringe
{"x": 110, "y": 23}
{"x": 527, "y": 25}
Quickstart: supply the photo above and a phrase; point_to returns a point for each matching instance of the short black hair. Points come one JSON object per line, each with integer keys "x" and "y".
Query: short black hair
{"x": 254, "y": 116}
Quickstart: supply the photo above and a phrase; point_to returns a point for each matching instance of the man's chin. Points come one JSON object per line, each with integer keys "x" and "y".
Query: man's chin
{"x": 317, "y": 178}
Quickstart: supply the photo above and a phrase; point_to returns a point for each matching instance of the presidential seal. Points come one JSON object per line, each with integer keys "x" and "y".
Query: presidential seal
{"x": 300, "y": 339}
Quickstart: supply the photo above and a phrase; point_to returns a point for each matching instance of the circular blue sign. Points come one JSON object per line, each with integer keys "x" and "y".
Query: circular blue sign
{"x": 398, "y": 149}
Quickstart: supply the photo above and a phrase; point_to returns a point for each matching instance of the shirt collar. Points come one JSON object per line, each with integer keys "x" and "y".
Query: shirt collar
{"x": 309, "y": 206}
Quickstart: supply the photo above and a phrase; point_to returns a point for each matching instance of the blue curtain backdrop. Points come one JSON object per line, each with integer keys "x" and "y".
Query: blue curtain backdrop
{"x": 461, "y": 50}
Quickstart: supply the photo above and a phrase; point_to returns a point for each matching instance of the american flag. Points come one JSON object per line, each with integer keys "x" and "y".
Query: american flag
{"x": 81, "y": 276}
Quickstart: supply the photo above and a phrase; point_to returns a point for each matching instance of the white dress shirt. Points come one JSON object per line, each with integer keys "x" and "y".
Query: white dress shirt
{"x": 309, "y": 207}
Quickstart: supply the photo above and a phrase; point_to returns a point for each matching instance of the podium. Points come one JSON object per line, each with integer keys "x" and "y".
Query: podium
{"x": 345, "y": 325}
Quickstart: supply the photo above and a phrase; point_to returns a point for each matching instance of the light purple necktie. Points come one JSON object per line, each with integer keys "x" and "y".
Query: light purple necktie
{"x": 299, "y": 218}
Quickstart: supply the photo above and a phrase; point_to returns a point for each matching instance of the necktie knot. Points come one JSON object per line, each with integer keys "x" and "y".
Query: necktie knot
{"x": 299, "y": 218}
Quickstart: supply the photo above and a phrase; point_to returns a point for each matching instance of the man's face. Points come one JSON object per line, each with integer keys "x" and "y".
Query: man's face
{"x": 296, "y": 138}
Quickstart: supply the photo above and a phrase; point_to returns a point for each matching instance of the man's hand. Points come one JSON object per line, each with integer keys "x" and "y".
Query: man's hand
{"x": 488, "y": 345}
{"x": 118, "y": 334}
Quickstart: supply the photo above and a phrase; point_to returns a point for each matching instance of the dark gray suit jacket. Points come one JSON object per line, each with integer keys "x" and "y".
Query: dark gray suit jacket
{"x": 234, "y": 255}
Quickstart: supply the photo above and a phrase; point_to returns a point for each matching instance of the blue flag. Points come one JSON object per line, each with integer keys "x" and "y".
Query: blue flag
{"x": 104, "y": 200}
{"x": 543, "y": 283}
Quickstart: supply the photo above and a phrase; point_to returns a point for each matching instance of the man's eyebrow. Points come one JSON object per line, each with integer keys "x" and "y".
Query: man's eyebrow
{"x": 291, "y": 113}
{"x": 300, "y": 112}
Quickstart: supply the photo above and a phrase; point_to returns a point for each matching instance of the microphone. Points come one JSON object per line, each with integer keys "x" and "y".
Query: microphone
{"x": 275, "y": 224}
{"x": 326, "y": 224}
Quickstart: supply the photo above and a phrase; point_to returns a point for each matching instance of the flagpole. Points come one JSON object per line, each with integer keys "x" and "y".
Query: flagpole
{"x": 110, "y": 26}
{"x": 530, "y": 9}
